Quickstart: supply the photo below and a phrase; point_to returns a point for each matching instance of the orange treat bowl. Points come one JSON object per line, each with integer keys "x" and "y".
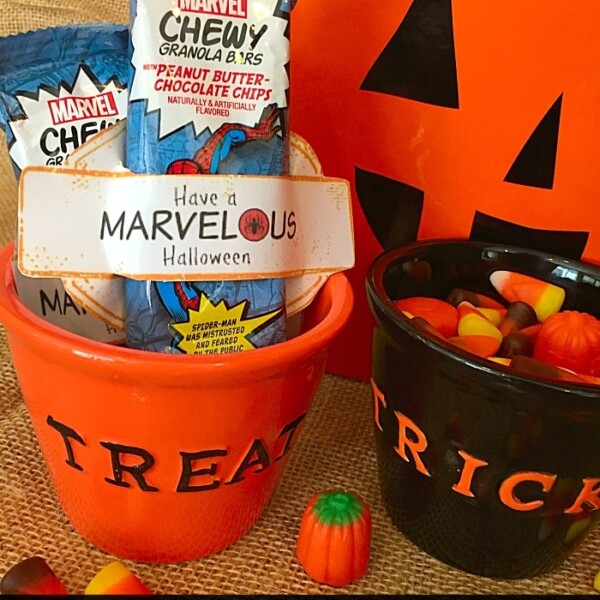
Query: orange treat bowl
{"x": 166, "y": 458}
{"x": 491, "y": 471}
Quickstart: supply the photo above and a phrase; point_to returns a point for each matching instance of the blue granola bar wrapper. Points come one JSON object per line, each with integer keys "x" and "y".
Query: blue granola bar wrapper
{"x": 209, "y": 91}
{"x": 59, "y": 87}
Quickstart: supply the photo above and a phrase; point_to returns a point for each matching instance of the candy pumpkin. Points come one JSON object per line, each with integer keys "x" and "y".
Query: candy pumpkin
{"x": 571, "y": 340}
{"x": 439, "y": 314}
{"x": 449, "y": 120}
{"x": 335, "y": 538}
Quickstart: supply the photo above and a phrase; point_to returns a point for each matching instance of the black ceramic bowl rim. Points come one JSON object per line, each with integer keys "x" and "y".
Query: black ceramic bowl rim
{"x": 378, "y": 295}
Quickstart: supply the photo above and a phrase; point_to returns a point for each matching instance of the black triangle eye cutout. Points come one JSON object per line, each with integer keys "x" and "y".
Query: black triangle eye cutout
{"x": 392, "y": 209}
{"x": 536, "y": 164}
{"x": 569, "y": 244}
{"x": 419, "y": 62}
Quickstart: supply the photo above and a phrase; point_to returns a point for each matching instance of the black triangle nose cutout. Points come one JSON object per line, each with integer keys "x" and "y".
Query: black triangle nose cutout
{"x": 536, "y": 164}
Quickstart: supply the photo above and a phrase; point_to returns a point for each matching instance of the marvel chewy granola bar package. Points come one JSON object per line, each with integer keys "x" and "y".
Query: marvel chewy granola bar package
{"x": 59, "y": 87}
{"x": 208, "y": 96}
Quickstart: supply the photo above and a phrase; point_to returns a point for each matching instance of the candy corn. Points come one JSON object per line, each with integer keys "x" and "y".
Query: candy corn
{"x": 545, "y": 298}
{"x": 480, "y": 345}
{"x": 514, "y": 344}
{"x": 532, "y": 331}
{"x": 458, "y": 295}
{"x": 494, "y": 315}
{"x": 472, "y": 322}
{"x": 424, "y": 324}
{"x": 500, "y": 360}
{"x": 530, "y": 335}
{"x": 597, "y": 582}
{"x": 531, "y": 366}
{"x": 518, "y": 315}
{"x": 116, "y": 579}
{"x": 31, "y": 577}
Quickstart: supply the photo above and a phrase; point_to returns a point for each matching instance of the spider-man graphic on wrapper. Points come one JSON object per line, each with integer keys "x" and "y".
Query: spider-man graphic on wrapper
{"x": 216, "y": 149}
{"x": 241, "y": 145}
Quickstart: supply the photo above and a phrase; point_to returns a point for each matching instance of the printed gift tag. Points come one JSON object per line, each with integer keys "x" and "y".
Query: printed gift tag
{"x": 104, "y": 296}
{"x": 182, "y": 226}
{"x": 101, "y": 292}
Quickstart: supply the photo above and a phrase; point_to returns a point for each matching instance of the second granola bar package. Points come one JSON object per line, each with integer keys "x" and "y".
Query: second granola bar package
{"x": 59, "y": 87}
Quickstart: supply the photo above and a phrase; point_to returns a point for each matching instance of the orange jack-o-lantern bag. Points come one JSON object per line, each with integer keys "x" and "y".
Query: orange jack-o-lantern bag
{"x": 453, "y": 119}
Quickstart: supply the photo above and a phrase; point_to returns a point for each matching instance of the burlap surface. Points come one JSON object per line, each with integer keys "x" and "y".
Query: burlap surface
{"x": 334, "y": 449}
